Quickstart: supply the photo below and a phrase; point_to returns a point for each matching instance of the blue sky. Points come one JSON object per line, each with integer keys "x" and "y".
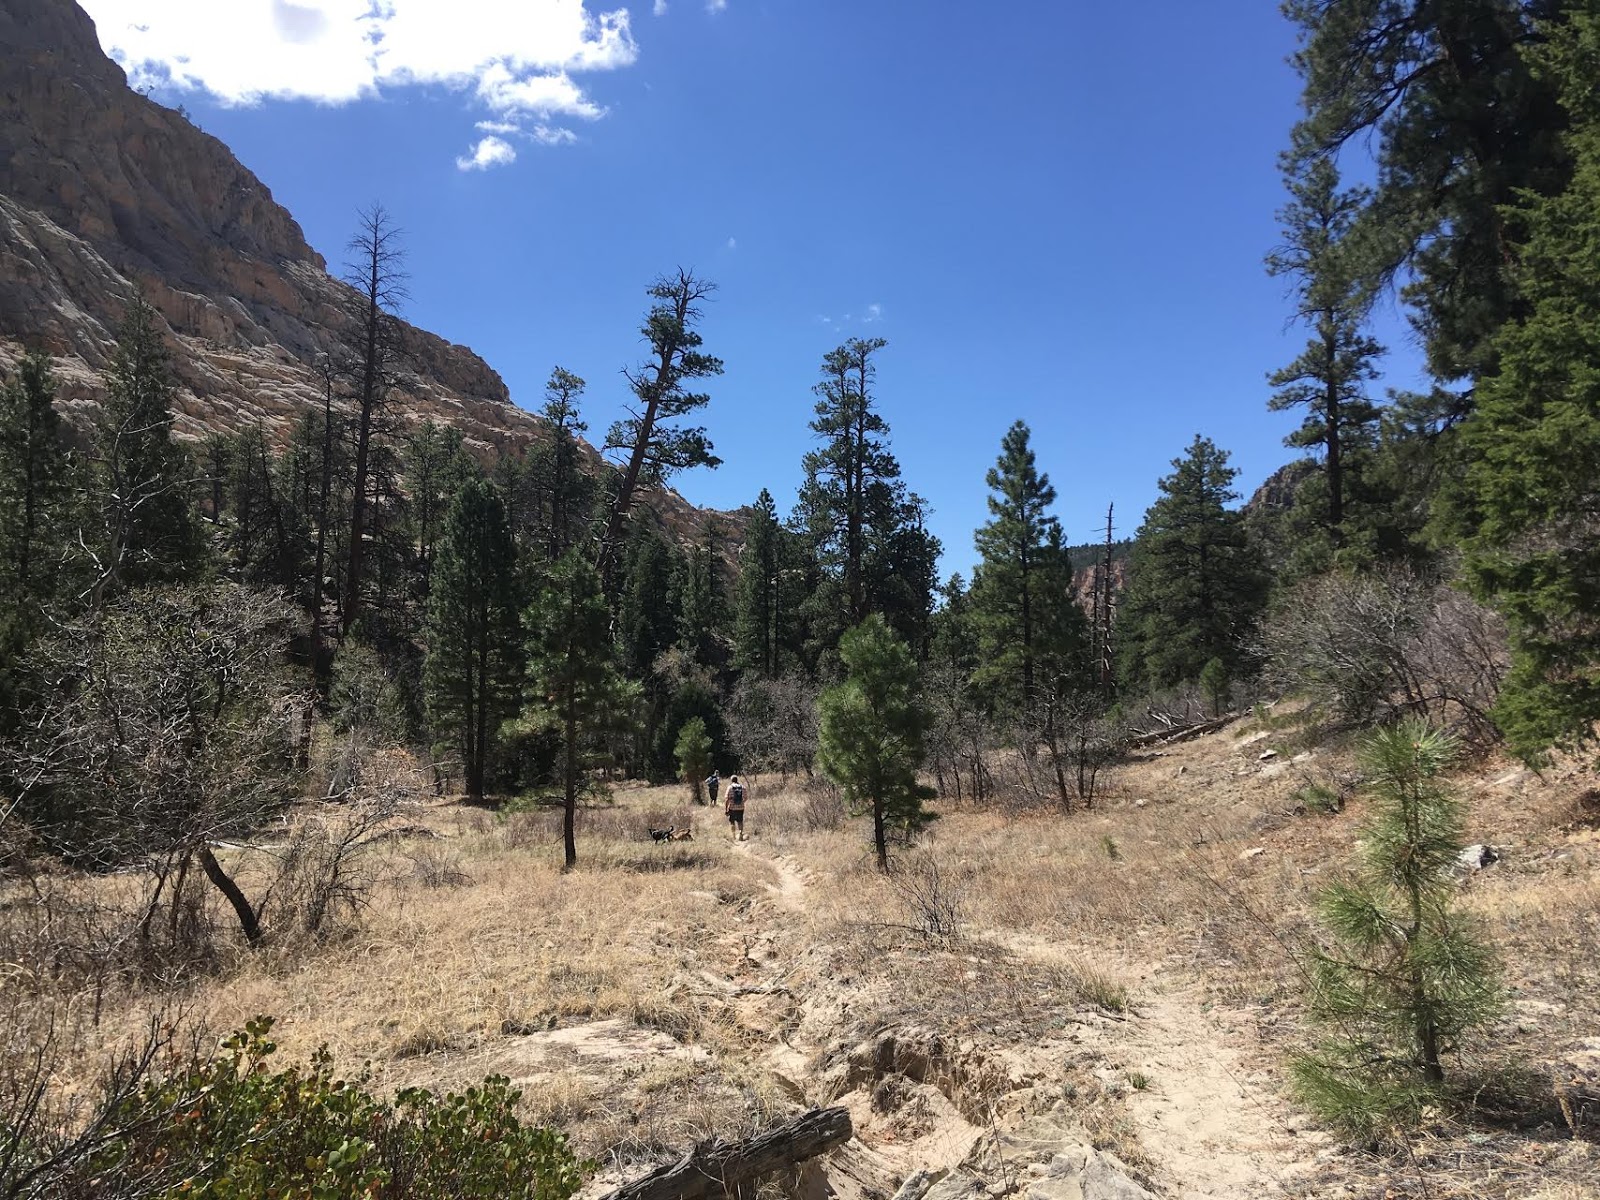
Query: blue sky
{"x": 1052, "y": 211}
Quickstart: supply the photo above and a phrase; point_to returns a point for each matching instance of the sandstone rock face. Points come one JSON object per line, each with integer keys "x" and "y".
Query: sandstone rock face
{"x": 103, "y": 191}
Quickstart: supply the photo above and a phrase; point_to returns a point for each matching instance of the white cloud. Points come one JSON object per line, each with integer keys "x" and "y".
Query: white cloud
{"x": 547, "y": 135}
{"x": 874, "y": 314}
{"x": 489, "y": 152}
{"x": 733, "y": 243}
{"x": 518, "y": 59}
{"x": 660, "y": 8}
{"x": 716, "y": 5}
{"x": 498, "y": 127}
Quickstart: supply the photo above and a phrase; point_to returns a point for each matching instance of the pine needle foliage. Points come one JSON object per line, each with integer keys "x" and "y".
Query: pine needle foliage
{"x": 872, "y": 727}
{"x": 1405, "y": 976}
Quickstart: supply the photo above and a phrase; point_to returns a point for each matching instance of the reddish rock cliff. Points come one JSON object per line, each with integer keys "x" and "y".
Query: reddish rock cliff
{"x": 103, "y": 191}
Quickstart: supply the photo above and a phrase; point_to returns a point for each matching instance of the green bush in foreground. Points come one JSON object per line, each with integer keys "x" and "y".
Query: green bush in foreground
{"x": 231, "y": 1129}
{"x": 1406, "y": 976}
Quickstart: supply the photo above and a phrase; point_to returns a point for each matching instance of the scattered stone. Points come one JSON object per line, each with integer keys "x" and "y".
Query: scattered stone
{"x": 1253, "y": 852}
{"x": 918, "y": 1184}
{"x": 1476, "y": 857}
{"x": 1266, "y": 756}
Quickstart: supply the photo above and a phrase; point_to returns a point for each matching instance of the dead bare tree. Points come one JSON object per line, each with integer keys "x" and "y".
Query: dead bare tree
{"x": 376, "y": 273}
{"x": 165, "y": 725}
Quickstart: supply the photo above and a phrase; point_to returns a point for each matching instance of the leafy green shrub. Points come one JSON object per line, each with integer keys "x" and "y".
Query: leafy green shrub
{"x": 231, "y": 1129}
{"x": 1407, "y": 977}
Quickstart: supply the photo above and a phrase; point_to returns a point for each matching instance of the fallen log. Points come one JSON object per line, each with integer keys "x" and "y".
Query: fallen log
{"x": 1171, "y": 737}
{"x": 715, "y": 1168}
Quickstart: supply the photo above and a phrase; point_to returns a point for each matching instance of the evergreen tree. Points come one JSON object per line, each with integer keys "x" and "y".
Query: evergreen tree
{"x": 472, "y": 629}
{"x": 853, "y": 481}
{"x": 1524, "y": 508}
{"x": 144, "y": 479}
{"x": 865, "y": 530}
{"x": 702, "y": 606}
{"x": 571, "y": 492}
{"x": 693, "y": 752}
{"x": 657, "y": 449}
{"x": 647, "y": 621}
{"x": 1406, "y": 977}
{"x": 1195, "y": 584}
{"x": 35, "y": 493}
{"x": 767, "y": 600}
{"x": 572, "y": 680}
{"x": 871, "y": 733}
{"x": 1009, "y": 596}
{"x": 1443, "y": 96}
{"x": 436, "y": 467}
{"x": 1330, "y": 376}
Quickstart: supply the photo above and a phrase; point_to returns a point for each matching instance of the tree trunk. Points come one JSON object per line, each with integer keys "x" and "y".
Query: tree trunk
{"x": 879, "y": 836}
{"x": 248, "y": 921}
{"x": 715, "y": 1169}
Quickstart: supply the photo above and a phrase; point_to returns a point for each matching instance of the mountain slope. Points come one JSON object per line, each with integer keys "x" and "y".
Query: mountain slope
{"x": 103, "y": 191}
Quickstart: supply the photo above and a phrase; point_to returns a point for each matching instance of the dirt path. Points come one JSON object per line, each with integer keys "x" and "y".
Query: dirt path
{"x": 1213, "y": 1119}
{"x": 1215, "y": 1122}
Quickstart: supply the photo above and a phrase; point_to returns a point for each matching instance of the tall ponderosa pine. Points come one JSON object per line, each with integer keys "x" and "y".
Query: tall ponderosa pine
{"x": 1195, "y": 583}
{"x": 867, "y": 532}
{"x": 647, "y": 620}
{"x": 472, "y": 633}
{"x": 35, "y": 493}
{"x": 871, "y": 733}
{"x": 1016, "y": 584}
{"x": 144, "y": 481}
{"x": 1405, "y": 975}
{"x": 572, "y": 680}
{"x": 1329, "y": 378}
{"x": 1525, "y": 508}
{"x": 655, "y": 447}
{"x": 1460, "y": 126}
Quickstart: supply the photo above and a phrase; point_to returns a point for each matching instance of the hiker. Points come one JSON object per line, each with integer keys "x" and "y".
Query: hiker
{"x": 735, "y": 807}
{"x": 712, "y": 784}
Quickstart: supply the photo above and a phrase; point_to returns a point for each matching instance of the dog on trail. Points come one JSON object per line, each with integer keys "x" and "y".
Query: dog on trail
{"x": 670, "y": 834}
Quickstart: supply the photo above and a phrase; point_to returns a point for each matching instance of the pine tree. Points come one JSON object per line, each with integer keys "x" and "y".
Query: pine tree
{"x": 1195, "y": 584}
{"x": 1523, "y": 510}
{"x": 866, "y": 531}
{"x": 766, "y": 602}
{"x": 144, "y": 479}
{"x": 852, "y": 481}
{"x": 657, "y": 449}
{"x": 571, "y": 492}
{"x": 572, "y": 680}
{"x": 1442, "y": 95}
{"x": 647, "y": 621}
{"x": 472, "y": 629}
{"x": 35, "y": 492}
{"x": 693, "y": 752}
{"x": 1330, "y": 376}
{"x": 436, "y": 467}
{"x": 1406, "y": 976}
{"x": 1009, "y": 596}
{"x": 871, "y": 733}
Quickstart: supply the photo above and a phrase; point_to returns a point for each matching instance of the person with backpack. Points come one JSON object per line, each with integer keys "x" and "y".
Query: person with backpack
{"x": 712, "y": 784}
{"x": 735, "y": 807}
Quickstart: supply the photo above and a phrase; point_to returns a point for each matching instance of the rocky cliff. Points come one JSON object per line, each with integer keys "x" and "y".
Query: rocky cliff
{"x": 103, "y": 191}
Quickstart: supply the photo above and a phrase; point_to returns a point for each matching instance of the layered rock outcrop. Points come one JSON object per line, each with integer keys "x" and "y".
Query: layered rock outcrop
{"x": 103, "y": 191}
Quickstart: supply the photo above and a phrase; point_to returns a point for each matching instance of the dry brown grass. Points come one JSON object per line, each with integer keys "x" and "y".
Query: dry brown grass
{"x": 738, "y": 974}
